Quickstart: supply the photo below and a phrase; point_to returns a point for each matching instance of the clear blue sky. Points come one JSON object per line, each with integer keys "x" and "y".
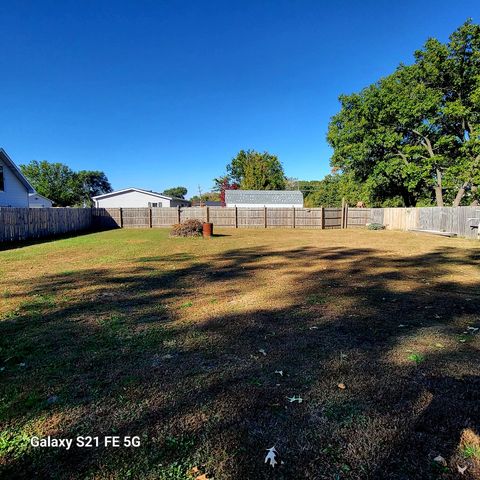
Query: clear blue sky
{"x": 164, "y": 93}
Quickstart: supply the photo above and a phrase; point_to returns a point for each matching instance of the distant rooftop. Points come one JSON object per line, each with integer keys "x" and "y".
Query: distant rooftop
{"x": 264, "y": 197}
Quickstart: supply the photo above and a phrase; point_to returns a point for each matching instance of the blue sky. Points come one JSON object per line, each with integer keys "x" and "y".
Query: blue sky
{"x": 165, "y": 93}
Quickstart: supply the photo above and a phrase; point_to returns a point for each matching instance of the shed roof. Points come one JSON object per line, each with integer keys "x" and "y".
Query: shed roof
{"x": 265, "y": 197}
{"x": 16, "y": 171}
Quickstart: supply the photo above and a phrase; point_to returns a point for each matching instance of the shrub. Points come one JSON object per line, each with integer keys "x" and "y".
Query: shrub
{"x": 375, "y": 226}
{"x": 188, "y": 228}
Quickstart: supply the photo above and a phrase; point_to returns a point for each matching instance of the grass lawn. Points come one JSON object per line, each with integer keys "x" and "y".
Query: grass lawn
{"x": 180, "y": 341}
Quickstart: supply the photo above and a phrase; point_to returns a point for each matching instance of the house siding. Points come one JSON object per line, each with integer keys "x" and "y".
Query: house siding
{"x": 15, "y": 193}
{"x": 135, "y": 199}
{"x": 37, "y": 201}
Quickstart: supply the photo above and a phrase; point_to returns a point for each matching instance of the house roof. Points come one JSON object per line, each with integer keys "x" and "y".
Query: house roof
{"x": 15, "y": 170}
{"x": 35, "y": 194}
{"x": 286, "y": 197}
{"x": 133, "y": 189}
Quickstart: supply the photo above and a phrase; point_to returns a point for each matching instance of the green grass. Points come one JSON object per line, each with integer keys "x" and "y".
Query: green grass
{"x": 471, "y": 451}
{"x": 416, "y": 358}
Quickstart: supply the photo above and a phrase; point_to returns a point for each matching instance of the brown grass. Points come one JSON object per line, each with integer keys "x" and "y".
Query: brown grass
{"x": 135, "y": 333}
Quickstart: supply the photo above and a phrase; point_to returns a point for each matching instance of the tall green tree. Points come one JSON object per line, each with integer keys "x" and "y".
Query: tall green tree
{"x": 252, "y": 170}
{"x": 55, "y": 181}
{"x": 90, "y": 183}
{"x": 178, "y": 192}
{"x": 63, "y": 186}
{"x": 415, "y": 134}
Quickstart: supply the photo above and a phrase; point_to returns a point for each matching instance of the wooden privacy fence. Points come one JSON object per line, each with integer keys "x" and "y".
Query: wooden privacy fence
{"x": 463, "y": 221}
{"x": 460, "y": 220}
{"x": 220, "y": 217}
{"x": 31, "y": 223}
{"x": 23, "y": 223}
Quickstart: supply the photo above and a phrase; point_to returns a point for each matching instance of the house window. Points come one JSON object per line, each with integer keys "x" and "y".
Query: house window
{"x": 2, "y": 183}
{"x": 154, "y": 205}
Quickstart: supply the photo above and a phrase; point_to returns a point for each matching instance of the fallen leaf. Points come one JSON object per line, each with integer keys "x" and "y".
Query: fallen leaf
{"x": 202, "y": 477}
{"x": 270, "y": 458}
{"x": 439, "y": 459}
{"x": 280, "y": 372}
{"x": 342, "y": 386}
{"x": 461, "y": 470}
{"x": 262, "y": 351}
{"x": 298, "y": 399}
{"x": 193, "y": 471}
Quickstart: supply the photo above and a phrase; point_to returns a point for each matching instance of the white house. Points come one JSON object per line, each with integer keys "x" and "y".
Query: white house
{"x": 35, "y": 200}
{"x": 264, "y": 198}
{"x": 137, "y": 198}
{"x": 14, "y": 187}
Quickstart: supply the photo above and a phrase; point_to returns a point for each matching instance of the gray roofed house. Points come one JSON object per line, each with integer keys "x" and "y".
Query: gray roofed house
{"x": 264, "y": 198}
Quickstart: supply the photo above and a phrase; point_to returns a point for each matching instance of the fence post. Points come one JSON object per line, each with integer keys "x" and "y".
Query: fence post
{"x": 265, "y": 216}
{"x": 150, "y": 217}
{"x": 322, "y": 218}
{"x": 236, "y": 217}
{"x": 208, "y": 214}
{"x": 121, "y": 217}
{"x": 293, "y": 217}
{"x": 178, "y": 214}
{"x": 342, "y": 223}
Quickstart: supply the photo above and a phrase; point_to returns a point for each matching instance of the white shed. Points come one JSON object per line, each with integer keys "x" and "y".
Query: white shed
{"x": 137, "y": 198}
{"x": 264, "y": 198}
{"x": 35, "y": 200}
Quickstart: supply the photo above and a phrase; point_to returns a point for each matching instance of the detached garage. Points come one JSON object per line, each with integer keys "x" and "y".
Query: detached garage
{"x": 137, "y": 198}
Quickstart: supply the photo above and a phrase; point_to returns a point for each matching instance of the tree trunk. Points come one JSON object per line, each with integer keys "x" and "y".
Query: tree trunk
{"x": 438, "y": 189}
{"x": 460, "y": 194}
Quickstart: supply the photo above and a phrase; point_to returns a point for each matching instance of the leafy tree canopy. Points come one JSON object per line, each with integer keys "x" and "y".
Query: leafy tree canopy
{"x": 62, "y": 185}
{"x": 330, "y": 191}
{"x": 90, "y": 183}
{"x": 221, "y": 184}
{"x": 207, "y": 196}
{"x": 252, "y": 170}
{"x": 178, "y": 192}
{"x": 415, "y": 134}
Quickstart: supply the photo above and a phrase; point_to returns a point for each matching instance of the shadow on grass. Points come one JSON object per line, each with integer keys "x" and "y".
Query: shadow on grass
{"x": 38, "y": 241}
{"x": 116, "y": 354}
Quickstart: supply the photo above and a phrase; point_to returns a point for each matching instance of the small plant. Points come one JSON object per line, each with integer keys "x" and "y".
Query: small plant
{"x": 375, "y": 226}
{"x": 316, "y": 299}
{"x": 186, "y": 305}
{"x": 471, "y": 451}
{"x": 188, "y": 228}
{"x": 416, "y": 357}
